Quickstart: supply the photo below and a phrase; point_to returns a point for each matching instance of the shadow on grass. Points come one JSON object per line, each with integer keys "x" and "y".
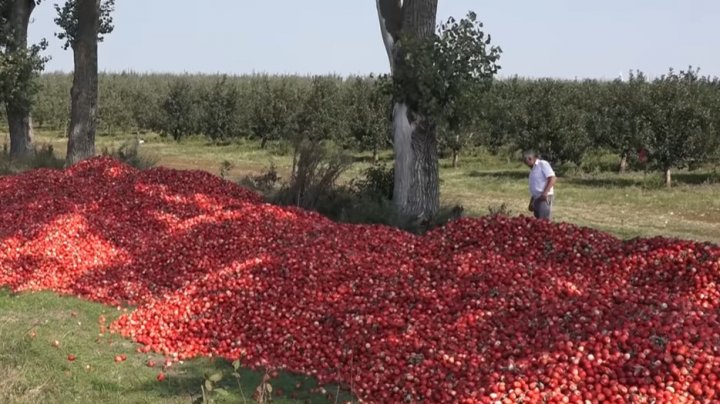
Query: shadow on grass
{"x": 500, "y": 174}
{"x": 370, "y": 160}
{"x": 651, "y": 180}
{"x": 186, "y": 381}
{"x": 614, "y": 182}
{"x": 697, "y": 178}
{"x": 635, "y": 179}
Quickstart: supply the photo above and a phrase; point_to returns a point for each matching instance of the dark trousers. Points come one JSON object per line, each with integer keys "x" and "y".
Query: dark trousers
{"x": 543, "y": 209}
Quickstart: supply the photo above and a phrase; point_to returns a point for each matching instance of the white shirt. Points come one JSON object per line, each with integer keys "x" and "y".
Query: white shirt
{"x": 539, "y": 175}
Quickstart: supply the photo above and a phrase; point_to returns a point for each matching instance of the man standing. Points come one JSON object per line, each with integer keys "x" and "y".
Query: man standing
{"x": 542, "y": 180}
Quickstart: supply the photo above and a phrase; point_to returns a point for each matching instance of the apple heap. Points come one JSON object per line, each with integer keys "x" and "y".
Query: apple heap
{"x": 490, "y": 309}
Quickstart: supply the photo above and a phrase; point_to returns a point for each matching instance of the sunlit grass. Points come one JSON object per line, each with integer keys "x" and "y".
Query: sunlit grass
{"x": 33, "y": 370}
{"x": 634, "y": 204}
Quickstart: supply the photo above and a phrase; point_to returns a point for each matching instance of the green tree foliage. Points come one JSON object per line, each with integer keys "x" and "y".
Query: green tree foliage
{"x": 554, "y": 122}
{"x": 318, "y": 127}
{"x": 113, "y": 97}
{"x": 52, "y": 106}
{"x": 20, "y": 65}
{"x": 444, "y": 77}
{"x": 564, "y": 119}
{"x": 617, "y": 117}
{"x": 502, "y": 114}
{"x": 447, "y": 78}
{"x": 322, "y": 114}
{"x": 179, "y": 112}
{"x": 274, "y": 106}
{"x": 67, "y": 19}
{"x": 681, "y": 121}
{"x": 369, "y": 106}
{"x": 219, "y": 117}
{"x": 19, "y": 70}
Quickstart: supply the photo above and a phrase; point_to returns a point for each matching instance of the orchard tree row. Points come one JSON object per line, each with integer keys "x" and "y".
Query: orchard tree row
{"x": 440, "y": 95}
{"x": 354, "y": 112}
{"x": 670, "y": 122}
{"x": 432, "y": 69}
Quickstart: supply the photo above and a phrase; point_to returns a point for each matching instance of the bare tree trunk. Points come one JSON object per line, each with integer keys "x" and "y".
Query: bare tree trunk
{"x": 84, "y": 93}
{"x": 296, "y": 153}
{"x": 18, "y": 110}
{"x": 416, "y": 188}
{"x": 668, "y": 178}
{"x": 424, "y": 197}
{"x": 21, "y": 133}
{"x": 404, "y": 158}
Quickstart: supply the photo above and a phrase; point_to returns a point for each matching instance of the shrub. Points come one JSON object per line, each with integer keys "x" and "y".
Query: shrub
{"x": 316, "y": 171}
{"x": 377, "y": 181}
{"x": 265, "y": 183}
{"x": 366, "y": 200}
{"x": 43, "y": 157}
{"x": 225, "y": 168}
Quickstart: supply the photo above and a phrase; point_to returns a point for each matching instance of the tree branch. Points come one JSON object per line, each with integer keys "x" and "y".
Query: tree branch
{"x": 390, "y": 14}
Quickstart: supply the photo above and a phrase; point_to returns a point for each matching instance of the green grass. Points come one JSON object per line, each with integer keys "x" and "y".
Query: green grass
{"x": 627, "y": 205}
{"x": 32, "y": 370}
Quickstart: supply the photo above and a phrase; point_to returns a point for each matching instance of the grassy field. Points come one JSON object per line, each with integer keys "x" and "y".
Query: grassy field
{"x": 627, "y": 205}
{"x": 33, "y": 370}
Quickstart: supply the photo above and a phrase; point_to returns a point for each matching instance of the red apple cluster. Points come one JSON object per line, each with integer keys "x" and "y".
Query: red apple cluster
{"x": 481, "y": 310}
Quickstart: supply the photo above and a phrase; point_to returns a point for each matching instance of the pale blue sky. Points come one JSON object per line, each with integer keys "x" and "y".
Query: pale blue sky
{"x": 540, "y": 38}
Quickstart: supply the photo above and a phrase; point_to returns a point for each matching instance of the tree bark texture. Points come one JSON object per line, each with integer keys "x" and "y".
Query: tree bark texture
{"x": 84, "y": 93}
{"x": 18, "y": 112}
{"x": 416, "y": 188}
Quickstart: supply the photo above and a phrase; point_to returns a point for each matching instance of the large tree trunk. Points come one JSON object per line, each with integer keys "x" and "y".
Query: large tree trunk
{"x": 416, "y": 189}
{"x": 18, "y": 110}
{"x": 21, "y": 133}
{"x": 423, "y": 200}
{"x": 84, "y": 93}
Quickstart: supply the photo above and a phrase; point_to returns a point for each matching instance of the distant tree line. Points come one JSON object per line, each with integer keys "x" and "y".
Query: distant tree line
{"x": 669, "y": 122}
